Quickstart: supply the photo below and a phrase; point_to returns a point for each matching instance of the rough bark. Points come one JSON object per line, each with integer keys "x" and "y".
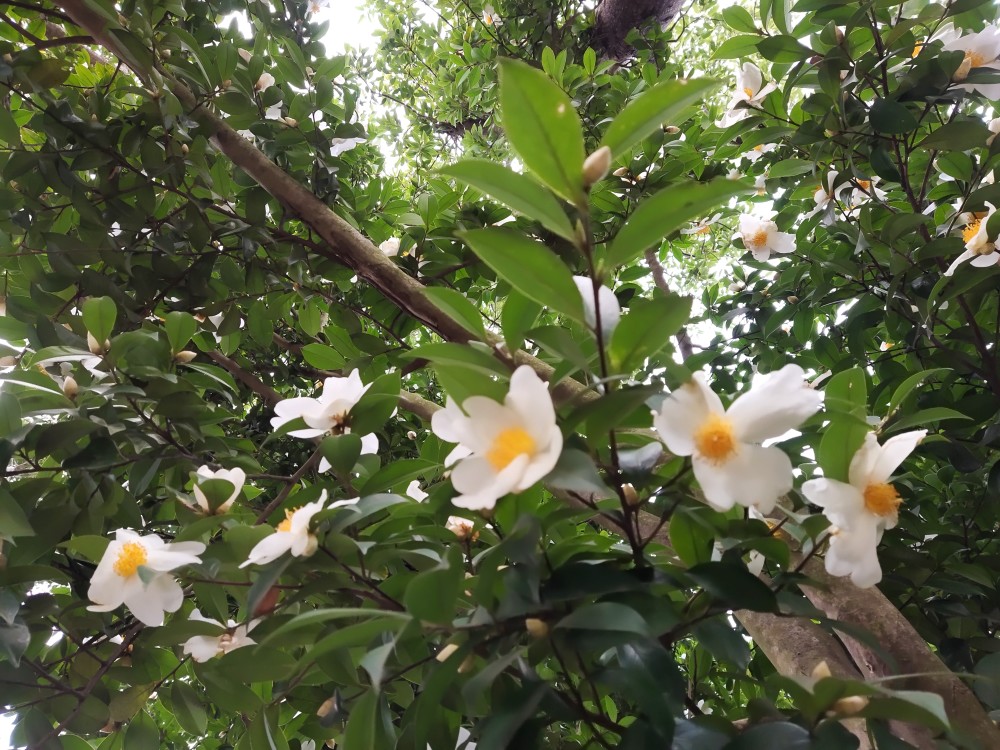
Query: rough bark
{"x": 614, "y": 19}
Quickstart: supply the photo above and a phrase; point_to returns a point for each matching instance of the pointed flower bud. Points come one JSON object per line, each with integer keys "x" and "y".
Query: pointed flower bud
{"x": 596, "y": 166}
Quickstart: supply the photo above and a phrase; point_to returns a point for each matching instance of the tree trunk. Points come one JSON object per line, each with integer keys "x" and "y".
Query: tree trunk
{"x": 614, "y": 19}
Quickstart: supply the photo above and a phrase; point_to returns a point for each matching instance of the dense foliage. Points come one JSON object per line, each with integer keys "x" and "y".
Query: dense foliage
{"x": 390, "y": 420}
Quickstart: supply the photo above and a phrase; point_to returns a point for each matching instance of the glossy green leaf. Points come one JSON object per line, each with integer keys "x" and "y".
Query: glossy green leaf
{"x": 99, "y": 315}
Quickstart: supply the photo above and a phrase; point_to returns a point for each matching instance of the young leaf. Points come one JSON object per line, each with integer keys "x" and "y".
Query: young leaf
{"x": 543, "y": 127}
{"x": 180, "y": 327}
{"x": 99, "y": 314}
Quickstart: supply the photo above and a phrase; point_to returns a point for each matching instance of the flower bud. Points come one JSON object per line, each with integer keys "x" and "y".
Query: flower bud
{"x": 536, "y": 628}
{"x": 95, "y": 346}
{"x": 326, "y": 708}
{"x": 621, "y": 172}
{"x": 839, "y": 31}
{"x": 447, "y": 650}
{"x": 70, "y": 387}
{"x": 227, "y": 83}
{"x": 290, "y": 122}
{"x": 629, "y": 494}
{"x": 165, "y": 53}
{"x": 7, "y": 57}
{"x": 265, "y": 80}
{"x": 671, "y": 129}
{"x": 3, "y": 305}
{"x": 185, "y": 149}
{"x": 184, "y": 356}
{"x": 411, "y": 434}
{"x": 821, "y": 671}
{"x": 7, "y": 361}
{"x": 850, "y": 706}
{"x": 792, "y": 299}
{"x": 596, "y": 166}
{"x": 267, "y": 603}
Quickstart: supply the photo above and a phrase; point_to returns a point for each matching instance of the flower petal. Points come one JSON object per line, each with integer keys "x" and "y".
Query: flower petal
{"x": 893, "y": 452}
{"x": 776, "y": 403}
{"x": 269, "y": 548}
{"x": 683, "y": 412}
{"x": 481, "y": 486}
{"x": 202, "y": 648}
{"x": 162, "y": 594}
{"x": 959, "y": 261}
{"x": 842, "y": 503}
{"x": 854, "y": 552}
{"x": 754, "y": 477}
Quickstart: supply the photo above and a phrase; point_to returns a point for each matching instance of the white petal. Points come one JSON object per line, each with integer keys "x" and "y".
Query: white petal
{"x": 173, "y": 556}
{"x": 413, "y": 491}
{"x": 782, "y": 242}
{"x": 481, "y": 486}
{"x": 776, "y": 403}
{"x": 863, "y": 462}
{"x": 148, "y": 604}
{"x": 842, "y": 503}
{"x": 958, "y": 261}
{"x": 761, "y": 253}
{"x": 894, "y": 451}
{"x": 542, "y": 462}
{"x": 984, "y": 261}
{"x": 683, "y": 412}
{"x": 855, "y": 553}
{"x": 202, "y": 648}
{"x": 269, "y": 548}
{"x": 369, "y": 444}
{"x": 754, "y": 476}
{"x": 750, "y": 78}
{"x": 449, "y": 423}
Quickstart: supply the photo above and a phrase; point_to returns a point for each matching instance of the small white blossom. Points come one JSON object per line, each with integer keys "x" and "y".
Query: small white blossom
{"x": 504, "y": 448}
{"x": 981, "y": 49}
{"x": 133, "y": 572}
{"x": 758, "y": 151}
{"x": 750, "y": 93}
{"x": 236, "y": 477}
{"x": 978, "y": 246}
{"x": 293, "y": 534}
{"x": 463, "y": 528}
{"x": 265, "y": 81}
{"x": 202, "y": 648}
{"x": 610, "y": 309}
{"x": 761, "y": 237}
{"x": 861, "y": 509}
{"x": 490, "y": 17}
{"x": 390, "y": 248}
{"x": 728, "y": 459}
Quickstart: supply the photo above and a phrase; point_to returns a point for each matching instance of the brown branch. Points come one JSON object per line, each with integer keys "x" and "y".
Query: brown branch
{"x": 684, "y": 344}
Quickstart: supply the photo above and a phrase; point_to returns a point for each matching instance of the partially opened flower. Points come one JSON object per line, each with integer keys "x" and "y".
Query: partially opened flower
{"x": 607, "y": 301}
{"x": 236, "y": 477}
{"x": 328, "y": 414}
{"x": 390, "y": 247}
{"x": 979, "y": 250}
{"x": 750, "y": 92}
{"x": 463, "y": 528}
{"x": 729, "y": 462}
{"x": 861, "y": 509}
{"x": 202, "y": 648}
{"x": 291, "y": 535}
{"x": 761, "y": 237}
{"x": 504, "y": 447}
{"x": 133, "y": 572}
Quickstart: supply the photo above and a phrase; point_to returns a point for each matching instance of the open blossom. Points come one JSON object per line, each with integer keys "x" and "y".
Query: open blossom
{"x": 147, "y": 594}
{"x": 728, "y": 459}
{"x": 978, "y": 246}
{"x": 293, "y": 534}
{"x": 981, "y": 49}
{"x": 504, "y": 447}
{"x": 861, "y": 509}
{"x": 758, "y": 151}
{"x": 865, "y": 190}
{"x": 704, "y": 226}
{"x": 328, "y": 414}
{"x": 236, "y": 477}
{"x": 490, "y": 17}
{"x": 202, "y": 648}
{"x": 750, "y": 92}
{"x": 610, "y": 309}
{"x": 761, "y": 237}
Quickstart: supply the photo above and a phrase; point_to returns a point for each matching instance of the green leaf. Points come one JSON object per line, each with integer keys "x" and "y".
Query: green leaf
{"x": 13, "y": 521}
{"x": 923, "y": 417}
{"x": 360, "y": 730}
{"x": 180, "y": 327}
{"x": 605, "y": 616}
{"x": 961, "y": 135}
{"x": 433, "y": 594}
{"x": 735, "y": 586}
{"x": 543, "y": 128}
{"x": 907, "y": 386}
{"x": 690, "y": 538}
{"x": 846, "y": 393}
{"x": 142, "y": 733}
{"x": 739, "y": 19}
{"x": 665, "y": 103}
{"x": 10, "y": 413}
{"x": 891, "y": 117}
{"x": 14, "y": 641}
{"x": 737, "y": 47}
{"x": 529, "y": 267}
{"x": 646, "y": 329}
{"x": 910, "y": 705}
{"x": 724, "y": 643}
{"x": 188, "y": 708}
{"x": 667, "y": 211}
{"x": 99, "y": 314}
{"x": 772, "y": 735}
{"x": 323, "y": 357}
{"x": 457, "y": 307}
{"x": 516, "y": 191}
{"x": 783, "y": 49}
{"x": 375, "y": 407}
{"x": 342, "y": 451}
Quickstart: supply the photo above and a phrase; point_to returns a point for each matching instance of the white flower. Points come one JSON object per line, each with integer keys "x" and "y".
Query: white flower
{"x": 977, "y": 244}
{"x": 317, "y": 6}
{"x": 390, "y": 248}
{"x": 758, "y": 151}
{"x": 413, "y": 491}
{"x": 750, "y": 92}
{"x": 245, "y": 54}
{"x": 863, "y": 508}
{"x": 704, "y": 226}
{"x": 490, "y": 17}
{"x": 866, "y": 189}
{"x": 505, "y": 447}
{"x": 265, "y": 81}
{"x": 982, "y": 50}
{"x": 330, "y": 413}
{"x": 339, "y": 146}
{"x": 133, "y": 572}
{"x": 610, "y": 309}
{"x": 236, "y": 477}
{"x": 824, "y": 198}
{"x": 728, "y": 461}
{"x": 202, "y": 648}
{"x": 761, "y": 237}
{"x": 994, "y": 128}
{"x": 461, "y": 527}
{"x": 761, "y": 184}
{"x": 292, "y": 534}
{"x": 734, "y": 174}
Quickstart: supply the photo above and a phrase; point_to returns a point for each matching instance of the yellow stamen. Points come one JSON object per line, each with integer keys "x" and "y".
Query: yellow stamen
{"x": 756, "y": 240}
{"x": 703, "y": 229}
{"x": 286, "y": 525}
{"x": 759, "y": 147}
{"x": 916, "y": 49}
{"x": 976, "y": 60}
{"x": 971, "y": 230}
{"x": 882, "y": 499}
{"x": 714, "y": 439}
{"x": 748, "y": 91}
{"x": 508, "y": 445}
{"x": 130, "y": 557}
{"x": 864, "y": 185}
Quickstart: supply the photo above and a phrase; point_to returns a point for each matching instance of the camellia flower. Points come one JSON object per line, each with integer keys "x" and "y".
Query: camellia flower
{"x": 761, "y": 237}
{"x": 863, "y": 508}
{"x": 390, "y": 247}
{"x": 265, "y": 81}
{"x": 977, "y": 244}
{"x": 981, "y": 49}
{"x": 292, "y": 534}
{"x": 236, "y": 477}
{"x": 702, "y": 227}
{"x": 824, "y": 197}
{"x": 611, "y": 311}
{"x": 750, "y": 91}
{"x": 463, "y": 528}
{"x": 148, "y": 594}
{"x": 866, "y": 189}
{"x": 490, "y": 17}
{"x": 758, "y": 151}
{"x": 728, "y": 461}
{"x": 504, "y": 447}
{"x": 340, "y": 146}
{"x": 328, "y": 414}
{"x": 202, "y": 648}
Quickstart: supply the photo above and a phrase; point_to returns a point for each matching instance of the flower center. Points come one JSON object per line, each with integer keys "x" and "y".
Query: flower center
{"x": 748, "y": 91}
{"x": 130, "y": 557}
{"x": 976, "y": 59}
{"x": 971, "y": 230}
{"x": 714, "y": 439}
{"x": 508, "y": 445}
{"x": 882, "y": 499}
{"x": 286, "y": 525}
{"x": 916, "y": 49}
{"x": 755, "y": 240}
{"x": 759, "y": 148}
{"x": 865, "y": 185}
{"x": 703, "y": 229}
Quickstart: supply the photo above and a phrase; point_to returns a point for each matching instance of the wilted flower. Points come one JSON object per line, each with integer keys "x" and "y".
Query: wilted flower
{"x": 504, "y": 447}
{"x": 978, "y": 246}
{"x": 133, "y": 572}
{"x": 236, "y": 477}
{"x": 863, "y": 508}
{"x": 728, "y": 461}
{"x": 610, "y": 309}
{"x": 761, "y": 237}
{"x": 202, "y": 648}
